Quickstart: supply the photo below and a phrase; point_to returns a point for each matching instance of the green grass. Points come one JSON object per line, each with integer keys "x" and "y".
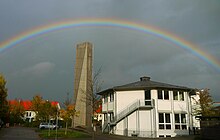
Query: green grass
{"x": 61, "y": 134}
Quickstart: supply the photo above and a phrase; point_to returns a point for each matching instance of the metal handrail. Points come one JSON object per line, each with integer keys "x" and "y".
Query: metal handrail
{"x": 104, "y": 126}
{"x": 132, "y": 107}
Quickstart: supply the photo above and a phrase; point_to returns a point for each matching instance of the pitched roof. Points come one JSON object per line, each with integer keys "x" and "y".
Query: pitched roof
{"x": 27, "y": 103}
{"x": 99, "y": 110}
{"x": 145, "y": 83}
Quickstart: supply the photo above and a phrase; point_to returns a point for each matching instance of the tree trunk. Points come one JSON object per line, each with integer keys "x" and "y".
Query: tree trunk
{"x": 66, "y": 128}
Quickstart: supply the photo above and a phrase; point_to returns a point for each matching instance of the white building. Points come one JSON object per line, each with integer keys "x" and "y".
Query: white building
{"x": 147, "y": 109}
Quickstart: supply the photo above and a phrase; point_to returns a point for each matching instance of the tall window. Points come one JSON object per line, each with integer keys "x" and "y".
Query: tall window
{"x": 111, "y": 97}
{"x": 180, "y": 121}
{"x": 105, "y": 116}
{"x": 147, "y": 97}
{"x": 159, "y": 94}
{"x": 166, "y": 95}
{"x": 163, "y": 94}
{"x": 105, "y": 98}
{"x": 175, "y": 95}
{"x": 111, "y": 116}
{"x": 181, "y": 96}
{"x": 164, "y": 121}
{"x": 178, "y": 95}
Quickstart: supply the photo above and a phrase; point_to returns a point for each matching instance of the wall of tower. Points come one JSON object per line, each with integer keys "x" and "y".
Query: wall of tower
{"x": 82, "y": 84}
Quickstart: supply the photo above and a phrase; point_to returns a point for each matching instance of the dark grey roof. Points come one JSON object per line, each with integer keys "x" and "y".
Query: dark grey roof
{"x": 145, "y": 83}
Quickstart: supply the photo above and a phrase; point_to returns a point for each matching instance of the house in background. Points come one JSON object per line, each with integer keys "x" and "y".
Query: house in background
{"x": 216, "y": 107}
{"x": 147, "y": 109}
{"x": 98, "y": 114}
{"x": 195, "y": 106}
{"x": 29, "y": 114}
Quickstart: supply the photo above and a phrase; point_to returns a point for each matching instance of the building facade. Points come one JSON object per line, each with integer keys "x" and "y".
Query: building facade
{"x": 82, "y": 84}
{"x": 147, "y": 109}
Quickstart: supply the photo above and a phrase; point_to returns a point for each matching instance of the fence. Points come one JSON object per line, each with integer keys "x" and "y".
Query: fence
{"x": 210, "y": 127}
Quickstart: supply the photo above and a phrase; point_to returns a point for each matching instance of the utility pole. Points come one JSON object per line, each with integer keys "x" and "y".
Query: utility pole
{"x": 57, "y": 117}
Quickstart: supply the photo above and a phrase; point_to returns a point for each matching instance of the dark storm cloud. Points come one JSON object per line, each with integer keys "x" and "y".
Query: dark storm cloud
{"x": 45, "y": 64}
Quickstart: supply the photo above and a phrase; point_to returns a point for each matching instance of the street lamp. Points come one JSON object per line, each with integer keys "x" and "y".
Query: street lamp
{"x": 57, "y": 117}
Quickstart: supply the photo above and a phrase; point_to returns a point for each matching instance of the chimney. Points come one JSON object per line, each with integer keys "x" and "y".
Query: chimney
{"x": 145, "y": 78}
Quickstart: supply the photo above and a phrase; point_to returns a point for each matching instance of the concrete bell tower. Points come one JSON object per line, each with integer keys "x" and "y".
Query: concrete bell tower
{"x": 82, "y": 84}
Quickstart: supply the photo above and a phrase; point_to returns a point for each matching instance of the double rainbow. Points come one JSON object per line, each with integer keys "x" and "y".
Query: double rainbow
{"x": 204, "y": 56}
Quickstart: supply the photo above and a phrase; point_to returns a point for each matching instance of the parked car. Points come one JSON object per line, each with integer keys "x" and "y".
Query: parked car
{"x": 45, "y": 125}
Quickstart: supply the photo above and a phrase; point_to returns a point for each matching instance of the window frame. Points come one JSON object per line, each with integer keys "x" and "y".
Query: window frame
{"x": 181, "y": 124}
{"x": 163, "y": 94}
{"x": 164, "y": 124}
{"x": 160, "y": 94}
{"x": 111, "y": 96}
{"x": 147, "y": 94}
{"x": 166, "y": 95}
{"x": 105, "y": 116}
{"x": 179, "y": 94}
{"x": 147, "y": 97}
{"x": 111, "y": 114}
{"x": 175, "y": 95}
{"x": 105, "y": 98}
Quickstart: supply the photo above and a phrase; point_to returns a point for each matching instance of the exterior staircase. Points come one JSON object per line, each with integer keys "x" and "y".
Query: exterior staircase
{"x": 139, "y": 104}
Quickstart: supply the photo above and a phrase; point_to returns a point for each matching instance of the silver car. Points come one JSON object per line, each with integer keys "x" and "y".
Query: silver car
{"x": 45, "y": 125}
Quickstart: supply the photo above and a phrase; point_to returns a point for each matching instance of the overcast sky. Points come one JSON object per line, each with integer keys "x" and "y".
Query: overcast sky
{"x": 44, "y": 65}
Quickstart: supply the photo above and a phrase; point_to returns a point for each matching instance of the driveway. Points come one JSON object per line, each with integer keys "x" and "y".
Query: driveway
{"x": 18, "y": 133}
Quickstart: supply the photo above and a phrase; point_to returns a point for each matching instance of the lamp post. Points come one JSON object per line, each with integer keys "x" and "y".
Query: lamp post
{"x": 57, "y": 117}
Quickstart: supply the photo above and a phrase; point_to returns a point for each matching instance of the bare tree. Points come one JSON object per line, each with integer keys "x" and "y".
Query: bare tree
{"x": 67, "y": 101}
{"x": 95, "y": 87}
{"x": 93, "y": 99}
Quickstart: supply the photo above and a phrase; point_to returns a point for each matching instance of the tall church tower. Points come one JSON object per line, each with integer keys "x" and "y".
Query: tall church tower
{"x": 82, "y": 84}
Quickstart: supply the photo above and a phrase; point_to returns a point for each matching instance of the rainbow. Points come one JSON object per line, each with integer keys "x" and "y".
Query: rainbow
{"x": 204, "y": 56}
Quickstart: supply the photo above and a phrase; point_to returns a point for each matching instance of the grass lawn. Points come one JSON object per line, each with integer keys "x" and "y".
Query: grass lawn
{"x": 61, "y": 134}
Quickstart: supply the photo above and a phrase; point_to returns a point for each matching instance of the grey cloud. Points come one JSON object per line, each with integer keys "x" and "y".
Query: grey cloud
{"x": 39, "y": 70}
{"x": 123, "y": 54}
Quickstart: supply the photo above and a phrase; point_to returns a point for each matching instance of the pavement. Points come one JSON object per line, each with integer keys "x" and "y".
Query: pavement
{"x": 24, "y": 133}
{"x": 18, "y": 133}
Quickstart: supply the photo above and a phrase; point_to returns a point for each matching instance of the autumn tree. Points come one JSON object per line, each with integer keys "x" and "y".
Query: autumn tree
{"x": 68, "y": 113}
{"x": 205, "y": 103}
{"x": 43, "y": 108}
{"x": 47, "y": 111}
{"x": 3, "y": 99}
{"x": 36, "y": 105}
{"x": 17, "y": 111}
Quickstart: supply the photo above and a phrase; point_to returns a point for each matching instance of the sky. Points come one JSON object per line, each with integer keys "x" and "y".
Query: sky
{"x": 44, "y": 64}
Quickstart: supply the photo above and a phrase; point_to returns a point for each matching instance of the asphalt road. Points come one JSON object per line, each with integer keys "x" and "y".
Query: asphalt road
{"x": 24, "y": 133}
{"x": 18, "y": 133}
